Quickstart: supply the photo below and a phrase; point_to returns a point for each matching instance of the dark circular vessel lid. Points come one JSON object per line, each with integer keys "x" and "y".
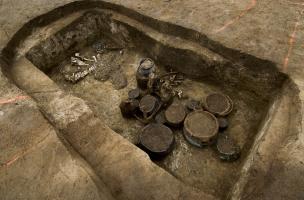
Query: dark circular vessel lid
{"x": 227, "y": 148}
{"x": 223, "y": 122}
{"x": 193, "y": 105}
{"x": 134, "y": 93}
{"x": 160, "y": 118}
{"x": 218, "y": 104}
{"x": 156, "y": 139}
{"x": 148, "y": 103}
{"x": 201, "y": 126}
{"x": 175, "y": 113}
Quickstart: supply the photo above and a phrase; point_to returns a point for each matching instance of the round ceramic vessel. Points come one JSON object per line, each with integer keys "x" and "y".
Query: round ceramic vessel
{"x": 129, "y": 107}
{"x": 157, "y": 140}
{"x": 218, "y": 104}
{"x": 200, "y": 128}
{"x": 145, "y": 68}
{"x": 148, "y": 104}
{"x": 227, "y": 148}
{"x": 175, "y": 114}
{"x": 134, "y": 93}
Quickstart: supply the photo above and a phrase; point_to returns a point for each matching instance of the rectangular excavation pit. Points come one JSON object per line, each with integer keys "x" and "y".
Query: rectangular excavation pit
{"x": 206, "y": 72}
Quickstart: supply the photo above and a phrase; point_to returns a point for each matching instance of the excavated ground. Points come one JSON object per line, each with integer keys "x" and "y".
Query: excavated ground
{"x": 200, "y": 168}
{"x": 262, "y": 121}
{"x": 109, "y": 83}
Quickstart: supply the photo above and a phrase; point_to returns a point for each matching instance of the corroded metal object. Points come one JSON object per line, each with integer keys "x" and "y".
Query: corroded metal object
{"x": 134, "y": 93}
{"x": 227, "y": 148}
{"x": 175, "y": 113}
{"x": 157, "y": 140}
{"x": 200, "y": 128}
{"x": 129, "y": 107}
{"x": 145, "y": 69}
{"x": 223, "y": 123}
{"x": 218, "y": 104}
